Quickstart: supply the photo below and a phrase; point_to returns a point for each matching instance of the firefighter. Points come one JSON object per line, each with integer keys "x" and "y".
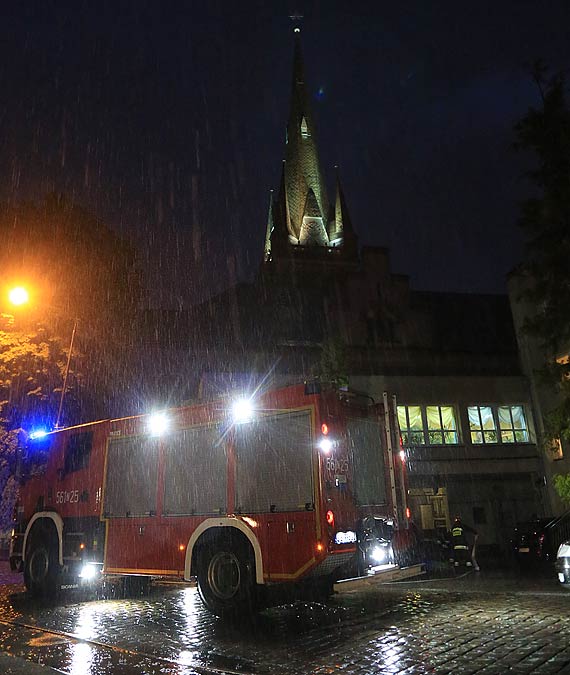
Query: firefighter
{"x": 461, "y": 552}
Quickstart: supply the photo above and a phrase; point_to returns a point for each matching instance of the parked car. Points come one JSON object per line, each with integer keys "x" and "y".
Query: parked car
{"x": 563, "y": 563}
{"x": 532, "y": 543}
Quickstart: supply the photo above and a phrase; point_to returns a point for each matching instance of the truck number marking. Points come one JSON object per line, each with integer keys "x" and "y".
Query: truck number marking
{"x": 337, "y": 465}
{"x": 67, "y": 497}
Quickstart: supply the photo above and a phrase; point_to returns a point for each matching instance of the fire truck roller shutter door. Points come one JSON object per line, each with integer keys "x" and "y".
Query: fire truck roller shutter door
{"x": 274, "y": 463}
{"x": 195, "y": 472}
{"x": 42, "y": 569}
{"x": 225, "y": 568}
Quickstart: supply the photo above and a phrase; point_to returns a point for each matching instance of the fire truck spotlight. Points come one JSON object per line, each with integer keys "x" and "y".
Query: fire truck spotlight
{"x": 379, "y": 554}
{"x": 326, "y": 445}
{"x": 39, "y": 433}
{"x": 402, "y": 455}
{"x": 242, "y": 411}
{"x": 157, "y": 424}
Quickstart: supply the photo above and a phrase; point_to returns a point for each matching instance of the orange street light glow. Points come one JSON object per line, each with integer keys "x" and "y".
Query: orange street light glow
{"x": 18, "y": 295}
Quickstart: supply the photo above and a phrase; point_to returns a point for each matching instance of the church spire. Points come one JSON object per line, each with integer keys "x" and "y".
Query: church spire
{"x": 341, "y": 232}
{"x": 303, "y": 170}
{"x": 301, "y": 217}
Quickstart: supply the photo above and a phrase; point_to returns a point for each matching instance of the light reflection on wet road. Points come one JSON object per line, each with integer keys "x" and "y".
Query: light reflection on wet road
{"x": 168, "y": 632}
{"x": 405, "y": 629}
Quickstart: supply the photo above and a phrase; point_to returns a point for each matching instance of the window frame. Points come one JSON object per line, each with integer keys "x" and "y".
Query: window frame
{"x": 482, "y": 431}
{"x": 513, "y": 428}
{"x": 441, "y": 429}
{"x": 498, "y": 429}
{"x": 425, "y": 430}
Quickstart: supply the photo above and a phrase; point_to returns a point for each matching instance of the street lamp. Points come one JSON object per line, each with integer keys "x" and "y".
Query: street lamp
{"x": 19, "y": 296}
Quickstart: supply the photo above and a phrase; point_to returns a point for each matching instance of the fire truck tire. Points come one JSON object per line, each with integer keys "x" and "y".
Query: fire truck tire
{"x": 226, "y": 578}
{"x": 42, "y": 571}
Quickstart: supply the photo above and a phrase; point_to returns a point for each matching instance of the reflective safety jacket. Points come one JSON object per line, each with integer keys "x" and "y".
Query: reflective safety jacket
{"x": 458, "y": 538}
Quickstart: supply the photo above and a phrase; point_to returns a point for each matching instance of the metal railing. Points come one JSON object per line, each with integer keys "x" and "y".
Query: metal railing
{"x": 559, "y": 530}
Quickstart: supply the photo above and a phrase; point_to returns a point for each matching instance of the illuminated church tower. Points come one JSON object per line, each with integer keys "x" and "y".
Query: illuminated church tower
{"x": 304, "y": 229}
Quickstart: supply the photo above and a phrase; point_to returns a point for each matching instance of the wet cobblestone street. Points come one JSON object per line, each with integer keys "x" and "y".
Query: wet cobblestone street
{"x": 469, "y": 625}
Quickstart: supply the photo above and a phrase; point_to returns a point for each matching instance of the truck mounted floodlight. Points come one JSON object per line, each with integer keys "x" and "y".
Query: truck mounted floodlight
{"x": 157, "y": 424}
{"x": 242, "y": 411}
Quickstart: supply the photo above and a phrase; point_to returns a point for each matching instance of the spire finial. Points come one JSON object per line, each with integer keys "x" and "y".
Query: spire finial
{"x": 296, "y": 18}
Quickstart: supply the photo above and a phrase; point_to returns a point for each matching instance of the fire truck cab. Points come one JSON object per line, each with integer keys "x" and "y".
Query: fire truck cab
{"x": 291, "y": 485}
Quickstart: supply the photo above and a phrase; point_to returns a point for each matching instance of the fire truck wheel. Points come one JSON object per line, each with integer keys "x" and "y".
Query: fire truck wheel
{"x": 42, "y": 569}
{"x": 226, "y": 579}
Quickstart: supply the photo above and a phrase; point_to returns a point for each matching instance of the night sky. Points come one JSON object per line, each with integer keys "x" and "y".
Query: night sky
{"x": 167, "y": 120}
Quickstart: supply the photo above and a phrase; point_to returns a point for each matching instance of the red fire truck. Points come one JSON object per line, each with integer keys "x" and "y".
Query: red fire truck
{"x": 288, "y": 486}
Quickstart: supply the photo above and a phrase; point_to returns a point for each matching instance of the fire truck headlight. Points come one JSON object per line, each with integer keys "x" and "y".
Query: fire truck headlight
{"x": 326, "y": 445}
{"x": 242, "y": 411}
{"x": 88, "y": 572}
{"x": 157, "y": 424}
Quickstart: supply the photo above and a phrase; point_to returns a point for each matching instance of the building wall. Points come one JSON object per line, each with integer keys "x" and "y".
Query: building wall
{"x": 492, "y": 486}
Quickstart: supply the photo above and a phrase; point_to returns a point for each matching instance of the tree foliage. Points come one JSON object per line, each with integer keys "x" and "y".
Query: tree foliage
{"x": 562, "y": 486}
{"x": 545, "y": 220}
{"x": 31, "y": 367}
{"x": 332, "y": 368}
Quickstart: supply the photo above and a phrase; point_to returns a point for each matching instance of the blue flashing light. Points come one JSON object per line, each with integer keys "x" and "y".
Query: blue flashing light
{"x": 39, "y": 433}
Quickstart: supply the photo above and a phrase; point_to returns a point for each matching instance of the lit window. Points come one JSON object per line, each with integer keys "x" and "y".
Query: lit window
{"x": 411, "y": 424}
{"x": 442, "y": 429}
{"x": 305, "y": 133}
{"x": 497, "y": 424}
{"x": 482, "y": 424}
{"x": 512, "y": 424}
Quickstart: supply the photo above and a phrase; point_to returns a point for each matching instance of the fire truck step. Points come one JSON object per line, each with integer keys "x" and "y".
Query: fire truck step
{"x": 387, "y": 574}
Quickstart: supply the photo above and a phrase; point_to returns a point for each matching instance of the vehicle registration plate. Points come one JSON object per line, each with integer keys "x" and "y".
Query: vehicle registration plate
{"x": 524, "y": 549}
